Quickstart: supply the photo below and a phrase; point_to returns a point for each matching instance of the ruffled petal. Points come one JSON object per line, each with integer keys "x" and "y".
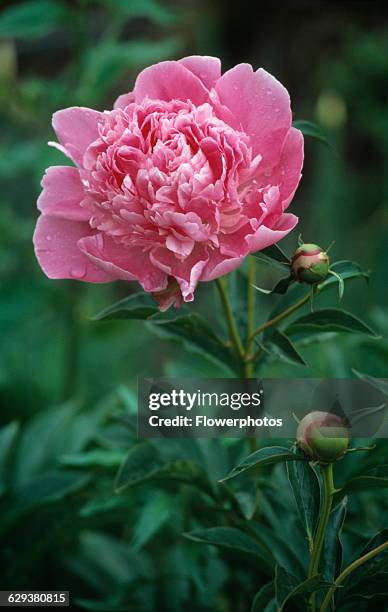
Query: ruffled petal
{"x": 76, "y": 128}
{"x": 187, "y": 272}
{"x": 218, "y": 266}
{"x": 55, "y": 242}
{"x": 265, "y": 236}
{"x": 169, "y": 81}
{"x": 123, "y": 263}
{"x": 62, "y": 194}
{"x": 261, "y": 108}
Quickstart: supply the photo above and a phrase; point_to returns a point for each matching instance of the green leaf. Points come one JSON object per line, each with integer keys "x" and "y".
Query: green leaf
{"x": 264, "y": 456}
{"x": 96, "y": 458}
{"x": 229, "y": 537}
{"x": 332, "y": 550}
{"x": 32, "y": 19}
{"x": 46, "y": 489}
{"x": 375, "y": 478}
{"x": 370, "y": 588}
{"x": 287, "y": 587}
{"x": 137, "y": 306}
{"x": 330, "y": 320}
{"x": 154, "y": 513}
{"x": 264, "y": 600}
{"x": 374, "y": 566}
{"x": 246, "y": 496}
{"x": 279, "y": 344}
{"x": 273, "y": 253}
{"x": 340, "y": 271}
{"x": 195, "y": 332}
{"x": 377, "y": 383}
{"x": 309, "y": 128}
{"x": 155, "y": 11}
{"x": 280, "y": 288}
{"x": 305, "y": 486}
{"x": 144, "y": 463}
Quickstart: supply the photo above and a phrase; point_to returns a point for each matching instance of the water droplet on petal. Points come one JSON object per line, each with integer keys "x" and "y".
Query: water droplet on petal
{"x": 78, "y": 271}
{"x": 48, "y": 238}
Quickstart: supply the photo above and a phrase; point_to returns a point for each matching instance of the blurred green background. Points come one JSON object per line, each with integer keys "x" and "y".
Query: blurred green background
{"x": 333, "y": 58}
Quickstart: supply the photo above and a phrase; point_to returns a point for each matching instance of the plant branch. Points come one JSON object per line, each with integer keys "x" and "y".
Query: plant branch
{"x": 324, "y": 514}
{"x": 251, "y": 302}
{"x": 348, "y": 570}
{"x": 230, "y": 320}
{"x": 280, "y": 316}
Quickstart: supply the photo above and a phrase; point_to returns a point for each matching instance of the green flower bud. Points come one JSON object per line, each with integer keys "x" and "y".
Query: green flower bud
{"x": 310, "y": 264}
{"x": 323, "y": 436}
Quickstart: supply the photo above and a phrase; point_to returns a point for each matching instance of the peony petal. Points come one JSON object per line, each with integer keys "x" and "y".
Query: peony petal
{"x": 123, "y": 263}
{"x": 76, "y": 128}
{"x": 123, "y": 100}
{"x": 266, "y": 236}
{"x": 187, "y": 272}
{"x": 55, "y": 242}
{"x": 288, "y": 172}
{"x": 205, "y": 67}
{"x": 261, "y": 107}
{"x": 62, "y": 193}
{"x": 218, "y": 266}
{"x": 169, "y": 81}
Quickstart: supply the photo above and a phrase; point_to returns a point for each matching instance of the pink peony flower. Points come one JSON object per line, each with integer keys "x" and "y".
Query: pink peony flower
{"x": 185, "y": 177}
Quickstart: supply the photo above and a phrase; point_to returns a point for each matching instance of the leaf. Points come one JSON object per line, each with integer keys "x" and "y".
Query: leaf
{"x": 247, "y": 498}
{"x": 287, "y": 586}
{"x": 137, "y": 306}
{"x": 144, "y": 463}
{"x": 273, "y": 253}
{"x": 150, "y": 9}
{"x": 281, "y": 345}
{"x": 332, "y": 550}
{"x": 96, "y": 458}
{"x": 264, "y": 600}
{"x": 377, "y": 383}
{"x": 153, "y": 515}
{"x": 196, "y": 332}
{"x": 331, "y": 320}
{"x": 49, "y": 488}
{"x": 370, "y": 587}
{"x": 32, "y": 19}
{"x": 104, "y": 64}
{"x": 280, "y": 288}
{"x": 309, "y": 128}
{"x": 375, "y": 478}
{"x": 341, "y": 271}
{"x": 305, "y": 486}
{"x": 229, "y": 537}
{"x": 375, "y": 565}
{"x": 264, "y": 456}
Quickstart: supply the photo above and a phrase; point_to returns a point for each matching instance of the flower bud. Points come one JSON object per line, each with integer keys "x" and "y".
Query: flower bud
{"x": 323, "y": 436}
{"x": 310, "y": 264}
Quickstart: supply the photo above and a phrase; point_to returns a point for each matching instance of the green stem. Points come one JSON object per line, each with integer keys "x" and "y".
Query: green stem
{"x": 251, "y": 302}
{"x": 280, "y": 316}
{"x": 348, "y": 570}
{"x": 324, "y": 514}
{"x": 230, "y": 320}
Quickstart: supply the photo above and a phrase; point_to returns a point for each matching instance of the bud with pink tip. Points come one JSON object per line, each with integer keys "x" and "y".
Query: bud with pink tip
{"x": 310, "y": 264}
{"x": 323, "y": 436}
